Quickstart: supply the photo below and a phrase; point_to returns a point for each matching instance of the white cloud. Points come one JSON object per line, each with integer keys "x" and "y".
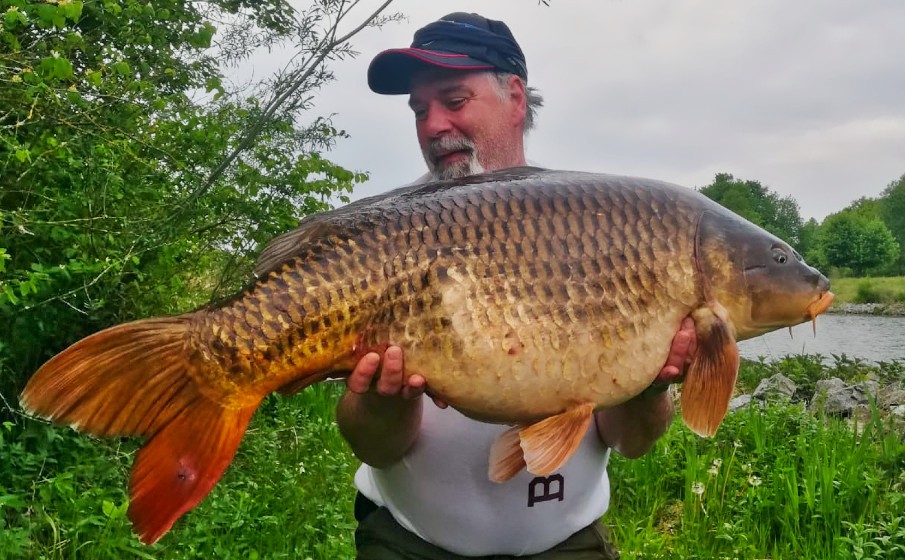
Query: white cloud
{"x": 808, "y": 96}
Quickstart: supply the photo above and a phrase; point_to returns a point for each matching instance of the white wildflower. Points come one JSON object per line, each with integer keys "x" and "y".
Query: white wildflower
{"x": 754, "y": 480}
{"x": 697, "y": 488}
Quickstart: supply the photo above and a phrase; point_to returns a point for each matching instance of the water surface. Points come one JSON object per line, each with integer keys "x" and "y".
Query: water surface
{"x": 870, "y": 337}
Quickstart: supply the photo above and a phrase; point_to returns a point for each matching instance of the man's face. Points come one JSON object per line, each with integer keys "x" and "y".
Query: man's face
{"x": 466, "y": 123}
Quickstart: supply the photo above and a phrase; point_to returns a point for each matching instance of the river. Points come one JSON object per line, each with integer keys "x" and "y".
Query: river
{"x": 870, "y": 337}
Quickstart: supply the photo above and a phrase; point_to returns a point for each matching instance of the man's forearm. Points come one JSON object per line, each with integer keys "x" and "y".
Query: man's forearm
{"x": 379, "y": 429}
{"x": 633, "y": 427}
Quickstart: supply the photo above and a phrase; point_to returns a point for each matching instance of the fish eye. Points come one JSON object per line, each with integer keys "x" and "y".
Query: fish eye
{"x": 780, "y": 256}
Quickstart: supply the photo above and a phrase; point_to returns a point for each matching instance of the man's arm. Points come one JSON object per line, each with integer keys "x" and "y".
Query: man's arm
{"x": 633, "y": 427}
{"x": 381, "y": 420}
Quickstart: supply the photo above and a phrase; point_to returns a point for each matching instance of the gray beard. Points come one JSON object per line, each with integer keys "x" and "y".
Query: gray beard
{"x": 456, "y": 170}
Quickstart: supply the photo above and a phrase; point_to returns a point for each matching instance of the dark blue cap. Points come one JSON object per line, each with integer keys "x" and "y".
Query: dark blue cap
{"x": 458, "y": 41}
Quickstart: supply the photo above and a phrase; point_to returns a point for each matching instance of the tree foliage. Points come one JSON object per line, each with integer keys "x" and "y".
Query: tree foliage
{"x": 858, "y": 241}
{"x": 113, "y": 115}
{"x": 758, "y": 204}
{"x": 892, "y": 211}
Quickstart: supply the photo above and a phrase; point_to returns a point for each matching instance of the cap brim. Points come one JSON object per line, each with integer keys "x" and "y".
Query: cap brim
{"x": 391, "y": 71}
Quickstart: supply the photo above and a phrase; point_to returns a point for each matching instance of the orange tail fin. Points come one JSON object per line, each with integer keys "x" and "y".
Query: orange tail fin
{"x": 133, "y": 379}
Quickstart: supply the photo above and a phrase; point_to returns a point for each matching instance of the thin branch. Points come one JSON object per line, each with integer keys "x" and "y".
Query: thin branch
{"x": 270, "y": 109}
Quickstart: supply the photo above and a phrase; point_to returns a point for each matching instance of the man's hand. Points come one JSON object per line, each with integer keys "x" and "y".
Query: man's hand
{"x": 387, "y": 379}
{"x": 380, "y": 414}
{"x": 684, "y": 346}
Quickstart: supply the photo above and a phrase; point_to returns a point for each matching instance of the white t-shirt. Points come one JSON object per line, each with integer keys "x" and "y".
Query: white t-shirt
{"x": 440, "y": 490}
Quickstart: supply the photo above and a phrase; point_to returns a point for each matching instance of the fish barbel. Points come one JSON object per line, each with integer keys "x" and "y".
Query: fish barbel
{"x": 526, "y": 297}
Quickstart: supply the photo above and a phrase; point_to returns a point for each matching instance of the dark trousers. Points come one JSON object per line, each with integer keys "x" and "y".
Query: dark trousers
{"x": 380, "y": 537}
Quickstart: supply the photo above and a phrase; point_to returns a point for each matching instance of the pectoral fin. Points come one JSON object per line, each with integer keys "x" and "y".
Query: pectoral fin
{"x": 711, "y": 376}
{"x": 506, "y": 457}
{"x": 542, "y": 447}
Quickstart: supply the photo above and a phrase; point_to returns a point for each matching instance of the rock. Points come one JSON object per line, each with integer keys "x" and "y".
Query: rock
{"x": 834, "y": 396}
{"x": 739, "y": 402}
{"x": 857, "y": 308}
{"x": 828, "y": 385}
{"x": 890, "y": 396}
{"x": 895, "y": 308}
{"x": 777, "y": 387}
{"x": 898, "y": 411}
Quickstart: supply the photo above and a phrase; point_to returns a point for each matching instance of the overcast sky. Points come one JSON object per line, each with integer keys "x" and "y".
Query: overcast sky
{"x": 806, "y": 96}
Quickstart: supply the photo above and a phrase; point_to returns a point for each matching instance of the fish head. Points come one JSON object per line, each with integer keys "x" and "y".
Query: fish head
{"x": 762, "y": 282}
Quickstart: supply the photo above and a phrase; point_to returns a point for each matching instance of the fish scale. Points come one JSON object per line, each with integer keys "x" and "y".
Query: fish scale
{"x": 526, "y": 297}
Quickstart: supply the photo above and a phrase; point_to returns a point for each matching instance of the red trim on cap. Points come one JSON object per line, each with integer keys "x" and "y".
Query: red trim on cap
{"x": 435, "y": 53}
{"x": 413, "y": 50}
{"x": 442, "y": 65}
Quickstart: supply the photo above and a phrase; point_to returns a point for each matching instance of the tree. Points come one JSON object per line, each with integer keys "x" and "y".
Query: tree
{"x": 127, "y": 194}
{"x": 807, "y": 242}
{"x": 892, "y": 211}
{"x": 853, "y": 240}
{"x": 759, "y": 205}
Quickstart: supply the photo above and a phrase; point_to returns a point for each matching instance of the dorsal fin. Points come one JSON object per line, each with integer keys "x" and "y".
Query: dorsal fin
{"x": 282, "y": 247}
{"x": 317, "y": 226}
{"x": 314, "y": 227}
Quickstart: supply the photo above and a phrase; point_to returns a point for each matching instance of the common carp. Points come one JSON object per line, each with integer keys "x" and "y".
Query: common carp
{"x": 526, "y": 297}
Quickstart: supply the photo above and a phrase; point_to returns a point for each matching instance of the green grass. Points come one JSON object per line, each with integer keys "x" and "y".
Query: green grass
{"x": 774, "y": 483}
{"x": 288, "y": 494}
{"x": 868, "y": 290}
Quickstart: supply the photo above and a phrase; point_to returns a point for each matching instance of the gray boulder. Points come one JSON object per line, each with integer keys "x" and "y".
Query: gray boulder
{"x": 777, "y": 387}
{"x": 834, "y": 396}
{"x": 739, "y": 402}
{"x": 891, "y": 396}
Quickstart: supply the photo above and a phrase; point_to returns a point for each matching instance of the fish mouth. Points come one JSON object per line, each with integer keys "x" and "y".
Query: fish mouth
{"x": 818, "y": 306}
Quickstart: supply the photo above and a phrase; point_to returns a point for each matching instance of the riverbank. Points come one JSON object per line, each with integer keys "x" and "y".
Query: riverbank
{"x": 882, "y": 295}
{"x": 886, "y": 309}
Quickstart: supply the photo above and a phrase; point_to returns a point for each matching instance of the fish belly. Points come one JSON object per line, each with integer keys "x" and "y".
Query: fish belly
{"x": 520, "y": 372}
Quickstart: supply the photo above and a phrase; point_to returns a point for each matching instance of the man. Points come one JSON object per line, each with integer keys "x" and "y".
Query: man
{"x": 423, "y": 487}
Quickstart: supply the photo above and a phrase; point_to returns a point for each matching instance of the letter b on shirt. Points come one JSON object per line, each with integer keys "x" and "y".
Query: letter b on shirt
{"x": 546, "y": 488}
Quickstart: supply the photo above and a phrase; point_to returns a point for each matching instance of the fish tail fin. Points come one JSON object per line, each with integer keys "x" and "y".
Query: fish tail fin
{"x": 134, "y": 380}
{"x": 180, "y": 465}
{"x": 124, "y": 380}
{"x": 710, "y": 380}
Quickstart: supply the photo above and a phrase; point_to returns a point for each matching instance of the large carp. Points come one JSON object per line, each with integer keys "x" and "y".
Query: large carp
{"x": 526, "y": 297}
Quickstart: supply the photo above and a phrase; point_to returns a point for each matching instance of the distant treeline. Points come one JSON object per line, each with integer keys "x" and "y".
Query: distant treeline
{"x": 867, "y": 238}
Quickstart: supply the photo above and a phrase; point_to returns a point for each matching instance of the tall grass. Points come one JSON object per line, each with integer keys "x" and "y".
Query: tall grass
{"x": 776, "y": 482}
{"x": 888, "y": 289}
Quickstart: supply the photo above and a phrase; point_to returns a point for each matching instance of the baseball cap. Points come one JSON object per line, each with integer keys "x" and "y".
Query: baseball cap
{"x": 458, "y": 41}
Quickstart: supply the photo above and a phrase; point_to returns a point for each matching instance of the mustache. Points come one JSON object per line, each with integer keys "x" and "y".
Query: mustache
{"x": 446, "y": 144}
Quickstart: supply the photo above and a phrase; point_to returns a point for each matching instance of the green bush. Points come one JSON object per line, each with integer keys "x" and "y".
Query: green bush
{"x": 868, "y": 293}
